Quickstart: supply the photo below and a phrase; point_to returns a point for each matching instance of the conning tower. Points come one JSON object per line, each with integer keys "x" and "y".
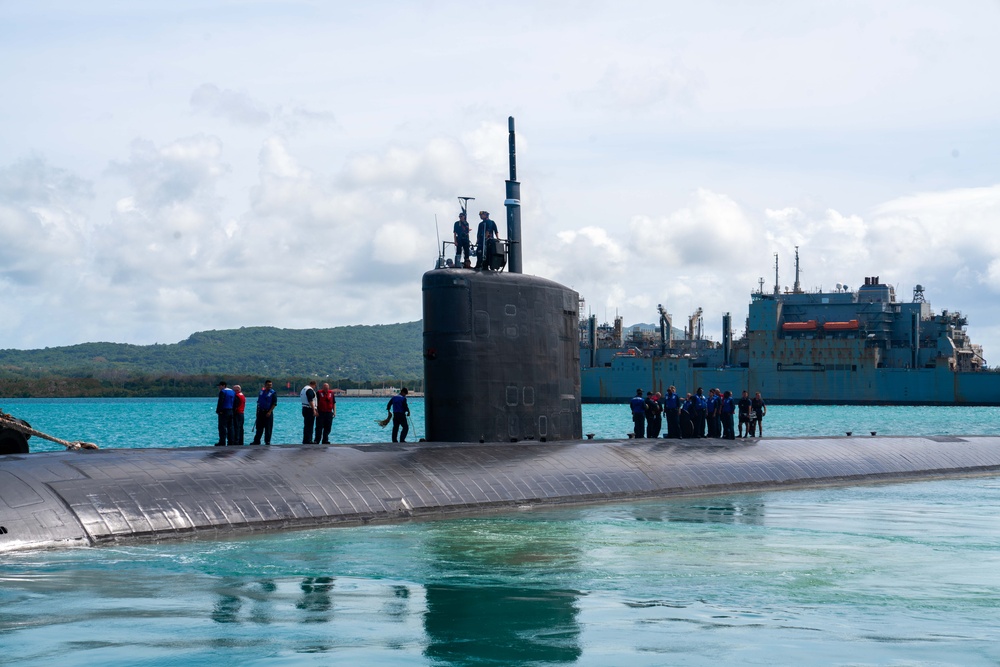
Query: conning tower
{"x": 501, "y": 349}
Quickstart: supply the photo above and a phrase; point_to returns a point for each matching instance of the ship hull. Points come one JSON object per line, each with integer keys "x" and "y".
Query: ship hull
{"x": 802, "y": 385}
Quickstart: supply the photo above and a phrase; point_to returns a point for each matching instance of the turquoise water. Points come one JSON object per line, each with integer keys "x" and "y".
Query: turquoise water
{"x": 901, "y": 574}
{"x": 185, "y": 422}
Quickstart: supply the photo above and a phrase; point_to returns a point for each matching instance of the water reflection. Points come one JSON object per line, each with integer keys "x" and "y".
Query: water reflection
{"x": 234, "y": 592}
{"x": 473, "y": 623}
{"x": 501, "y": 625}
{"x": 398, "y": 608}
{"x": 315, "y": 600}
{"x": 744, "y": 510}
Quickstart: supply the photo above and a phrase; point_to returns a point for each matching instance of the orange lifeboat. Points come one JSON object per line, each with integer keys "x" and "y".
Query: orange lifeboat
{"x": 850, "y": 325}
{"x": 808, "y": 325}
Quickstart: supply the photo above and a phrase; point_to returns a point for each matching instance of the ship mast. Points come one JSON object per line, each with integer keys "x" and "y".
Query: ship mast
{"x": 797, "y": 288}
{"x": 777, "y": 285}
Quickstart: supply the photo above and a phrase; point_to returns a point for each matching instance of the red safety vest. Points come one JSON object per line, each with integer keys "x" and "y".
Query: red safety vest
{"x": 325, "y": 400}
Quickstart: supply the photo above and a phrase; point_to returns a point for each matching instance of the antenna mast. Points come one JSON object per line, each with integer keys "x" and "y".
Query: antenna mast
{"x": 440, "y": 262}
{"x": 464, "y": 203}
{"x": 797, "y": 288}
{"x": 513, "y": 205}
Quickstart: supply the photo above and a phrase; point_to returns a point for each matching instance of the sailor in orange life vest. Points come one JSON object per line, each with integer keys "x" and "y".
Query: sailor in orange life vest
{"x": 239, "y": 418}
{"x": 400, "y": 410}
{"x": 326, "y": 403}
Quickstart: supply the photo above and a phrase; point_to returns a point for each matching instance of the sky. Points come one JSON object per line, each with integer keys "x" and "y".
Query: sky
{"x": 167, "y": 168}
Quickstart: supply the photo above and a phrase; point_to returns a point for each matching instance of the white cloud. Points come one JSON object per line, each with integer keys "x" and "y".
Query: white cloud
{"x": 236, "y": 107}
{"x": 634, "y": 81}
{"x": 400, "y": 243}
{"x": 166, "y": 179}
{"x": 43, "y": 230}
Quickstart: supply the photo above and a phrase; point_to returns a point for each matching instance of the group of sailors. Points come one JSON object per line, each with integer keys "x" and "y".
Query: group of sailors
{"x": 697, "y": 415}
{"x": 487, "y": 236}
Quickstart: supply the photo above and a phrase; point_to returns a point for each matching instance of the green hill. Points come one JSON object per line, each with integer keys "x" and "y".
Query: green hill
{"x": 353, "y": 355}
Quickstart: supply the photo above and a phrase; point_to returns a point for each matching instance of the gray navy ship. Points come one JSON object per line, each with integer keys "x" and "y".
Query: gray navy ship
{"x": 847, "y": 346}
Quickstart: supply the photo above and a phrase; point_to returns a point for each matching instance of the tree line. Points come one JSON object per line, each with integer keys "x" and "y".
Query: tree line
{"x": 351, "y": 357}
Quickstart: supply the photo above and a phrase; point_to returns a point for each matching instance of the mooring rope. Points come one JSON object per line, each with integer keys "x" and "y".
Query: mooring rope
{"x": 8, "y": 421}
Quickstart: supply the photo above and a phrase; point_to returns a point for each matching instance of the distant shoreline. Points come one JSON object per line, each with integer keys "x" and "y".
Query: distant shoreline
{"x": 191, "y": 386}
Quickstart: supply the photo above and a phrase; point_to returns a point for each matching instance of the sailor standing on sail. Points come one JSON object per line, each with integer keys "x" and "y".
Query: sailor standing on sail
{"x": 461, "y": 233}
{"x": 486, "y": 236}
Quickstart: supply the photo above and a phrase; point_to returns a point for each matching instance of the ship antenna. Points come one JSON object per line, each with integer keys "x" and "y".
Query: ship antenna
{"x": 797, "y": 287}
{"x": 437, "y": 231}
{"x": 777, "y": 285}
{"x": 464, "y": 203}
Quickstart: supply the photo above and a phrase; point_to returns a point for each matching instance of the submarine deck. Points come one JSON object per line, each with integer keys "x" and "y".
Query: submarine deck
{"x": 88, "y": 498}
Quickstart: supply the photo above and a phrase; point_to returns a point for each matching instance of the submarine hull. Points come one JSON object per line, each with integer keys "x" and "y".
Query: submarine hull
{"x": 87, "y": 498}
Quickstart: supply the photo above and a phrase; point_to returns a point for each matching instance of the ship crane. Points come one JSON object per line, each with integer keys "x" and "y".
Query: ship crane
{"x": 694, "y": 325}
{"x": 666, "y": 329}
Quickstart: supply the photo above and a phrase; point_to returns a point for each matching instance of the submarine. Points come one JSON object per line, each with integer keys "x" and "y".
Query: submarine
{"x": 504, "y": 433}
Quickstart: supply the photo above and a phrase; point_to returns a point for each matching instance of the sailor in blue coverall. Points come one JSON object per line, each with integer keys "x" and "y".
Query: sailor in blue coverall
{"x": 638, "y": 405}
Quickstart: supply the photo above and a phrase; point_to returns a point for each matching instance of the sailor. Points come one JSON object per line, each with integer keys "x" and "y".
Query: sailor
{"x": 727, "y": 406}
{"x": 658, "y": 422}
{"x": 326, "y": 403}
{"x": 719, "y": 395}
{"x": 224, "y": 408}
{"x": 461, "y": 233}
{"x": 687, "y": 417}
{"x": 638, "y": 407}
{"x": 651, "y": 409}
{"x": 400, "y": 410}
{"x": 486, "y": 236}
{"x": 672, "y": 407}
{"x": 712, "y": 414}
{"x": 744, "y": 410}
{"x": 661, "y": 402}
{"x": 267, "y": 400}
{"x": 758, "y": 409}
{"x": 309, "y": 411}
{"x": 700, "y": 407}
{"x": 239, "y": 418}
